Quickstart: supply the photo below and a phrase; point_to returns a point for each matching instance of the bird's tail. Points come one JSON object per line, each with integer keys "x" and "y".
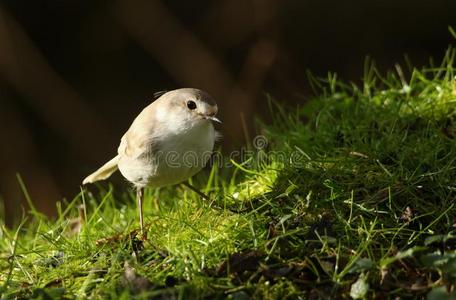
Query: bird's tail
{"x": 104, "y": 172}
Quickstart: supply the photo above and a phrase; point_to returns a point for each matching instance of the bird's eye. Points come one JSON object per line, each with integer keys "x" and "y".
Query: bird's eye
{"x": 191, "y": 104}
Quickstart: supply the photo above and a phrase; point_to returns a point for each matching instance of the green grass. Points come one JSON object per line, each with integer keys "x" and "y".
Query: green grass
{"x": 353, "y": 196}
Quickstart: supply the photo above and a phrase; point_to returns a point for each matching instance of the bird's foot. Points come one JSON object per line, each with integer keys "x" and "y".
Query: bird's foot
{"x": 143, "y": 236}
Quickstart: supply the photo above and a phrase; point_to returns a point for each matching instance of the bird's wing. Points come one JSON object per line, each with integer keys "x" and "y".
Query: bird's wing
{"x": 140, "y": 136}
{"x": 132, "y": 145}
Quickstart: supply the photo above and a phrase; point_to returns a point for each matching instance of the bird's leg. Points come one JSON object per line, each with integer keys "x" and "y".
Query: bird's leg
{"x": 139, "y": 199}
{"x": 201, "y": 194}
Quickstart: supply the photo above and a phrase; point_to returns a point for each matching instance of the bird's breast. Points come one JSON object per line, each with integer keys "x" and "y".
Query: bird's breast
{"x": 176, "y": 157}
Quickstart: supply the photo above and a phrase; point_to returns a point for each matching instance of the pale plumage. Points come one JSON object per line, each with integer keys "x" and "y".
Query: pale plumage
{"x": 168, "y": 142}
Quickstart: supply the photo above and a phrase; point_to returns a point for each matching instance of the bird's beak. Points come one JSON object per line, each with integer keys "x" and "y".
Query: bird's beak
{"x": 213, "y": 119}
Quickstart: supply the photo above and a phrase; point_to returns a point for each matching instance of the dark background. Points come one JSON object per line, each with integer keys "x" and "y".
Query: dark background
{"x": 74, "y": 74}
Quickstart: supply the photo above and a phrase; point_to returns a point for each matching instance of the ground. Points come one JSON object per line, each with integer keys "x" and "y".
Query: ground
{"x": 349, "y": 196}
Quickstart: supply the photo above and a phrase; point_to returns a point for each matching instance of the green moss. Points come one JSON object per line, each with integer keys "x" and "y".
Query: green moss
{"x": 355, "y": 189}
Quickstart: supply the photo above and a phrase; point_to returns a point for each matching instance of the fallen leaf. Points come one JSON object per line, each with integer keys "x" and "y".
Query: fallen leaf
{"x": 360, "y": 288}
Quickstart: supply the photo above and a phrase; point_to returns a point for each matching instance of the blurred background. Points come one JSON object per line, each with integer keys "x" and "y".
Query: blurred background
{"x": 74, "y": 73}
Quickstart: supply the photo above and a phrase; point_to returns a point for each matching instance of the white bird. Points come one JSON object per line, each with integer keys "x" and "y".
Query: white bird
{"x": 168, "y": 142}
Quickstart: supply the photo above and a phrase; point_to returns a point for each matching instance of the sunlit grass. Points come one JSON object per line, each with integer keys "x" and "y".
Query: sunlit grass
{"x": 353, "y": 195}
